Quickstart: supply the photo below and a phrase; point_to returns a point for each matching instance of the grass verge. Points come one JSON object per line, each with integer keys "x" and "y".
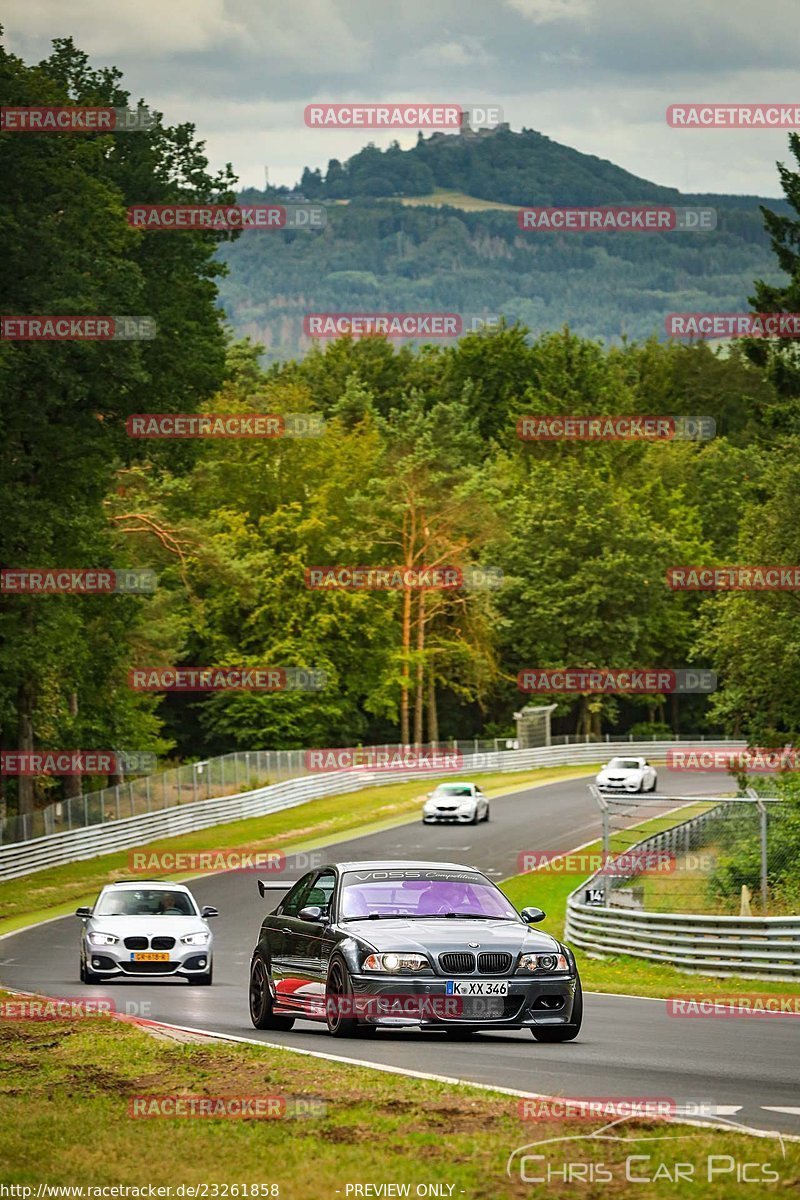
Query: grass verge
{"x": 57, "y": 891}
{"x": 548, "y": 888}
{"x": 68, "y": 1085}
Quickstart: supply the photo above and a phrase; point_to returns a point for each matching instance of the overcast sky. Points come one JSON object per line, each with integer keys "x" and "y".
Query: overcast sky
{"x": 594, "y": 74}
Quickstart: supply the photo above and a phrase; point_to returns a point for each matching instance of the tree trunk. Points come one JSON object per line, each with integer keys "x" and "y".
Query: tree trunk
{"x": 419, "y": 697}
{"x": 72, "y": 784}
{"x": 433, "y": 712}
{"x": 405, "y": 681}
{"x": 25, "y": 791}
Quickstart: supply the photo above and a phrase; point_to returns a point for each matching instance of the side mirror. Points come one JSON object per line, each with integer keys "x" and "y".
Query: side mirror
{"x": 208, "y": 910}
{"x": 311, "y": 912}
{"x": 532, "y": 915}
{"x": 83, "y": 913}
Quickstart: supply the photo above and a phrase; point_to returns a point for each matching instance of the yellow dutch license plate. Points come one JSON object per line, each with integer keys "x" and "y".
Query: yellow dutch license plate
{"x": 153, "y": 957}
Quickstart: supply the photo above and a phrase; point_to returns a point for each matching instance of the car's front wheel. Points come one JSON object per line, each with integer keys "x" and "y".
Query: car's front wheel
{"x": 261, "y": 1000}
{"x": 564, "y": 1033}
{"x": 206, "y": 979}
{"x": 88, "y": 975}
{"x": 338, "y": 999}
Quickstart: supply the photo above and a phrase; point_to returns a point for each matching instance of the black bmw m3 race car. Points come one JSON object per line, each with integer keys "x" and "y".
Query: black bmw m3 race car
{"x": 363, "y": 945}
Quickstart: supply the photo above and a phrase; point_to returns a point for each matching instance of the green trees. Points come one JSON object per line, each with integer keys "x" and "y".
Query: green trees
{"x": 69, "y": 250}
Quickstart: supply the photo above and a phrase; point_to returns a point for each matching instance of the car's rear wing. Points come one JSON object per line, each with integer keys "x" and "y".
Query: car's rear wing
{"x": 282, "y": 884}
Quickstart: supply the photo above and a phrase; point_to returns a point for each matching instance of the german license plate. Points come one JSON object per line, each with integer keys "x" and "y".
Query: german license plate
{"x": 477, "y": 987}
{"x": 154, "y": 956}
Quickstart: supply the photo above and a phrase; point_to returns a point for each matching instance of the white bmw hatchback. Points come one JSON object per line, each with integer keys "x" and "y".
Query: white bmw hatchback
{"x": 146, "y": 930}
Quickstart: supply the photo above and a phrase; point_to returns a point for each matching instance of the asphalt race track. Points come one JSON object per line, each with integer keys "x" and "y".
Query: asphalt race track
{"x": 628, "y": 1046}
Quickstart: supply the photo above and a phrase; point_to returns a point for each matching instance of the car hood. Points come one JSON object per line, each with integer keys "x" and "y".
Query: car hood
{"x": 623, "y": 772}
{"x": 444, "y": 934}
{"x": 147, "y": 926}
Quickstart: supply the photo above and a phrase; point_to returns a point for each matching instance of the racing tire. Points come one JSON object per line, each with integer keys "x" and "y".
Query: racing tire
{"x": 486, "y": 818}
{"x": 260, "y": 1000}
{"x": 340, "y": 984}
{"x": 564, "y": 1033}
{"x": 474, "y": 820}
{"x": 205, "y": 979}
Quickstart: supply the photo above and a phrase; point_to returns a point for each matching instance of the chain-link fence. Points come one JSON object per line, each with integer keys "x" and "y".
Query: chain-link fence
{"x": 731, "y": 855}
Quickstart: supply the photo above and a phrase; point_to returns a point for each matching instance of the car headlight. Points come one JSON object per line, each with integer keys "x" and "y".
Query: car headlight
{"x": 196, "y": 939}
{"x": 543, "y": 962}
{"x": 103, "y": 939}
{"x": 395, "y": 962}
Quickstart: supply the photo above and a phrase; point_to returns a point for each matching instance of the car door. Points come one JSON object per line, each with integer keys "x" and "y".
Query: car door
{"x": 282, "y": 938}
{"x": 301, "y": 986}
{"x": 318, "y": 936}
{"x": 483, "y": 803}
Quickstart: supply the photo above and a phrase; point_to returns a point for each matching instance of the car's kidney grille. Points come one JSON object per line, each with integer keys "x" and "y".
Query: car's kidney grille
{"x": 162, "y": 943}
{"x": 135, "y": 943}
{"x": 494, "y": 964}
{"x": 458, "y": 963}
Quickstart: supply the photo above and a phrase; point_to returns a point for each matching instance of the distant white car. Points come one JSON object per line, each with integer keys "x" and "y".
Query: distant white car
{"x": 456, "y": 803}
{"x": 627, "y": 775}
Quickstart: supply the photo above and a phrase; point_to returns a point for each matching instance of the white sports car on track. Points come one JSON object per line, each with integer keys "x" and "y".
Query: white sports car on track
{"x": 627, "y": 775}
{"x": 456, "y": 803}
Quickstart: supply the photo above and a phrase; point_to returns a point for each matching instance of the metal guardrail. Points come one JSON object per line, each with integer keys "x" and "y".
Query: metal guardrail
{"x": 23, "y": 858}
{"x": 228, "y": 775}
{"x": 764, "y": 947}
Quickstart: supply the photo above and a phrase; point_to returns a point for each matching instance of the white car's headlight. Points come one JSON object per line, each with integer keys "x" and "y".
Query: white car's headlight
{"x": 543, "y": 962}
{"x": 196, "y": 939}
{"x": 103, "y": 939}
{"x": 395, "y": 962}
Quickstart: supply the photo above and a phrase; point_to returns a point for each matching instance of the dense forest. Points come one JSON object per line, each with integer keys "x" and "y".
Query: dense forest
{"x": 417, "y": 461}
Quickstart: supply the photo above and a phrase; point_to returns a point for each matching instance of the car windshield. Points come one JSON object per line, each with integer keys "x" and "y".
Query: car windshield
{"x": 625, "y": 764}
{"x": 421, "y": 894}
{"x": 145, "y": 902}
{"x": 454, "y": 789}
